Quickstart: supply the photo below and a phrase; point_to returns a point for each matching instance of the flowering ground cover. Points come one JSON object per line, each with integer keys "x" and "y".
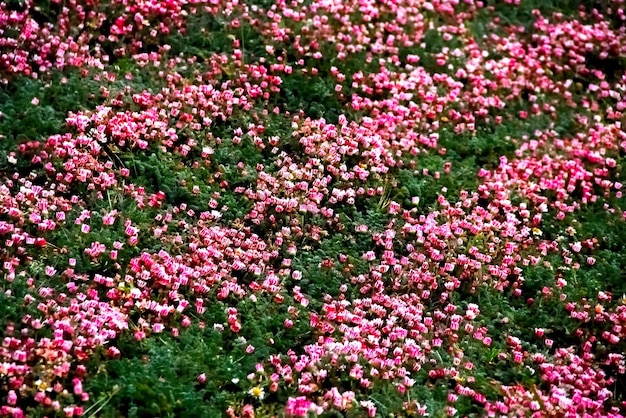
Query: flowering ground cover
{"x": 271, "y": 208}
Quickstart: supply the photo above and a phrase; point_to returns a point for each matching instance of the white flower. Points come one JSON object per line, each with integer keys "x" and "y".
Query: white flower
{"x": 257, "y": 392}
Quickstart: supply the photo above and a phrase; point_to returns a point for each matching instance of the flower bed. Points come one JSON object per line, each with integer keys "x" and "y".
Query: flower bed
{"x": 312, "y": 208}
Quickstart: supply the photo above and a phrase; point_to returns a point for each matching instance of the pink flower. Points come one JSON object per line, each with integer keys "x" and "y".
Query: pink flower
{"x": 78, "y": 387}
{"x": 12, "y": 398}
{"x": 247, "y": 411}
{"x": 299, "y": 407}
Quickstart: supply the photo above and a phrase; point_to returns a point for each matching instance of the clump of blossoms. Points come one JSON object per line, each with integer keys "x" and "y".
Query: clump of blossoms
{"x": 84, "y": 34}
{"x": 301, "y": 407}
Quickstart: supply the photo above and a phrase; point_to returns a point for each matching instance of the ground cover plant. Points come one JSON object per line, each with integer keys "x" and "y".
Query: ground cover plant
{"x": 271, "y": 208}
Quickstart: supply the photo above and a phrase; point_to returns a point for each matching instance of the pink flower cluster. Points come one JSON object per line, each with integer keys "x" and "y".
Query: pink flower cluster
{"x": 83, "y": 34}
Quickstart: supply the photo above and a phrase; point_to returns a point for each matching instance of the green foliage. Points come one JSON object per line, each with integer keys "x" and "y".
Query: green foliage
{"x": 207, "y": 34}
{"x": 314, "y": 94}
{"x": 21, "y": 120}
{"x": 523, "y": 14}
{"x": 158, "y": 377}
